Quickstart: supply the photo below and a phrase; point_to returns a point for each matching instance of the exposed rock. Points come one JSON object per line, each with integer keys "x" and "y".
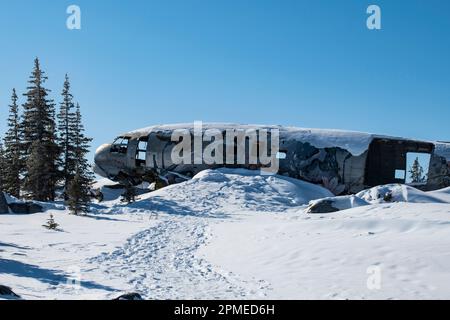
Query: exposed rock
{"x": 387, "y": 197}
{"x": 129, "y": 296}
{"x": 334, "y": 204}
{"x": 3, "y": 204}
{"x": 324, "y": 206}
{"x": 25, "y": 207}
{"x": 7, "y": 292}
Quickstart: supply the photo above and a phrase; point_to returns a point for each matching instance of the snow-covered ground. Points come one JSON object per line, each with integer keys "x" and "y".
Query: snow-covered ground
{"x": 233, "y": 234}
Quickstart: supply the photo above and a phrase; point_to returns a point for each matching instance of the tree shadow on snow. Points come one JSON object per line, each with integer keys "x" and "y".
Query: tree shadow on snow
{"x": 98, "y": 217}
{"x": 12, "y": 245}
{"x": 161, "y": 205}
{"x": 48, "y": 276}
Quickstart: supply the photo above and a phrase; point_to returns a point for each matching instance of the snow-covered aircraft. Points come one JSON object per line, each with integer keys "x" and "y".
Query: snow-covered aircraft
{"x": 342, "y": 161}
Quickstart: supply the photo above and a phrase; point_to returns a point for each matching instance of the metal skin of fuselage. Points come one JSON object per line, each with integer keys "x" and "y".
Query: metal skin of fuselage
{"x": 342, "y": 161}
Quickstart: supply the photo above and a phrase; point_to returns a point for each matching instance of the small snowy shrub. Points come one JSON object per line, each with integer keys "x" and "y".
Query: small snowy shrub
{"x": 51, "y": 223}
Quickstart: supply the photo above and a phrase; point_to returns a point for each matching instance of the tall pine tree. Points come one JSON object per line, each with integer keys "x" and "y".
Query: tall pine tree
{"x": 2, "y": 167}
{"x": 66, "y": 134}
{"x": 13, "y": 163}
{"x": 39, "y": 139}
{"x": 79, "y": 187}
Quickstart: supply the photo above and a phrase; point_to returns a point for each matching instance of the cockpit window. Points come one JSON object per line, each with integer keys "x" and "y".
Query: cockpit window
{"x": 120, "y": 145}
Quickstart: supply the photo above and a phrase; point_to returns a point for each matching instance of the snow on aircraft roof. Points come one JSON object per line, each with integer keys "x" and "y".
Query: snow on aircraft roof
{"x": 354, "y": 142}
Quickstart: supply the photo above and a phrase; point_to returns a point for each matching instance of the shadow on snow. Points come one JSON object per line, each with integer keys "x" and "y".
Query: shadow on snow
{"x": 48, "y": 276}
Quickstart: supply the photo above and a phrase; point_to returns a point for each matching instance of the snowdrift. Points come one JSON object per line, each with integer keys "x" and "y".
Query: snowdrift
{"x": 381, "y": 194}
{"x": 219, "y": 192}
{"x": 399, "y": 193}
{"x": 220, "y": 235}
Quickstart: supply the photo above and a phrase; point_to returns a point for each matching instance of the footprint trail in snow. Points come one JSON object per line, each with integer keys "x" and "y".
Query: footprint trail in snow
{"x": 161, "y": 263}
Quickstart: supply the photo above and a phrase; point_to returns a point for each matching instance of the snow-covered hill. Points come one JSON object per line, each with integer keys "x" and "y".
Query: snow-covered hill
{"x": 234, "y": 234}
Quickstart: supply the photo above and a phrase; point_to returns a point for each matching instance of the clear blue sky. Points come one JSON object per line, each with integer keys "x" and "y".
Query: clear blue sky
{"x": 303, "y": 63}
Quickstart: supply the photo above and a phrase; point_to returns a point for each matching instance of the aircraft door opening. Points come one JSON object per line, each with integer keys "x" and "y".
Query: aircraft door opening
{"x": 391, "y": 161}
{"x": 141, "y": 152}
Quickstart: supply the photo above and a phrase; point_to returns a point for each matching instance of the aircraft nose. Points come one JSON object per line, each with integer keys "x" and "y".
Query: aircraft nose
{"x": 100, "y": 159}
{"x": 102, "y": 152}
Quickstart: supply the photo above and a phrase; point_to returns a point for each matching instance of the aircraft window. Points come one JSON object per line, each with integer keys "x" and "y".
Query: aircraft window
{"x": 140, "y": 155}
{"x": 141, "y": 151}
{"x": 120, "y": 145}
{"x": 400, "y": 174}
{"x": 281, "y": 155}
{"x": 142, "y": 146}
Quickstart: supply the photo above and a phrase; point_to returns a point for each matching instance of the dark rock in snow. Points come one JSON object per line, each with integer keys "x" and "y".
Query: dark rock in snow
{"x": 3, "y": 204}
{"x": 129, "y": 296}
{"x": 25, "y": 208}
{"x": 333, "y": 204}
{"x": 324, "y": 206}
{"x": 6, "y": 292}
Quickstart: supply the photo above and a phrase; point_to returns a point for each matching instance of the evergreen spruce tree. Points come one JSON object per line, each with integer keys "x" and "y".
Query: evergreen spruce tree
{"x": 416, "y": 172}
{"x": 66, "y": 126}
{"x": 2, "y": 167}
{"x": 78, "y": 194}
{"x": 78, "y": 190}
{"x": 13, "y": 163}
{"x": 38, "y": 130}
{"x": 38, "y": 176}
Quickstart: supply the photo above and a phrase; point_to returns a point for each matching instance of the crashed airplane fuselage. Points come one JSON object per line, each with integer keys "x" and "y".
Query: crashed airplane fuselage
{"x": 342, "y": 161}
